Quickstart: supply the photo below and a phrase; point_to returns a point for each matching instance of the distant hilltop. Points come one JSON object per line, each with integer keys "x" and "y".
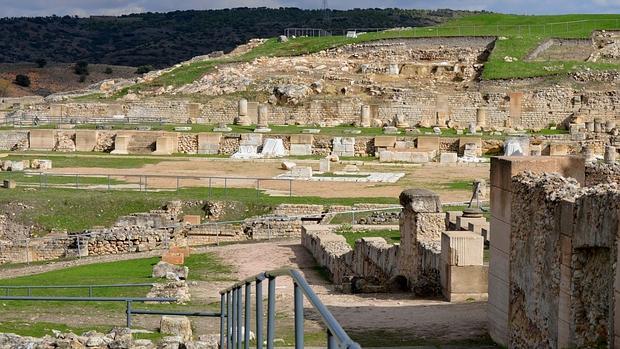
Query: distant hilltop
{"x": 163, "y": 39}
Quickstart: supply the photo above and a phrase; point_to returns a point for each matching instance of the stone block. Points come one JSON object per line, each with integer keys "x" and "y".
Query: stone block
{"x": 165, "y": 145}
{"x": 499, "y": 264}
{"x": 9, "y": 184}
{"x": 462, "y": 222}
{"x": 287, "y": 165}
{"x": 44, "y": 165}
{"x": 500, "y": 234}
{"x": 185, "y": 251}
{"x": 415, "y": 157}
{"x": 192, "y": 219}
{"x": 325, "y": 165}
{"x": 302, "y": 139}
{"x": 17, "y": 166}
{"x": 428, "y": 143}
{"x": 86, "y": 140}
{"x": 448, "y": 158}
{"x": 501, "y": 206}
{"x": 252, "y": 139}
{"x": 420, "y": 200}
{"x": 385, "y": 141}
{"x": 504, "y": 168}
{"x": 461, "y": 248}
{"x": 516, "y": 102}
{"x": 176, "y": 326}
{"x": 464, "y": 283}
{"x": 499, "y": 293}
{"x": 301, "y": 172}
{"x": 301, "y": 149}
{"x": 558, "y": 149}
{"x": 173, "y": 258}
{"x": 121, "y": 144}
{"x": 498, "y": 324}
{"x": 42, "y": 139}
{"x": 209, "y": 143}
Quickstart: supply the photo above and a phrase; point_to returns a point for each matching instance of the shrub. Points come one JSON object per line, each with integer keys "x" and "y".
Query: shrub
{"x": 143, "y": 69}
{"x": 81, "y": 68}
{"x": 108, "y": 71}
{"x": 22, "y": 80}
{"x": 41, "y": 62}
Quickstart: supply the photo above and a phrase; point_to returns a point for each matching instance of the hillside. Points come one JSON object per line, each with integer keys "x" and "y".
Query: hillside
{"x": 163, "y": 39}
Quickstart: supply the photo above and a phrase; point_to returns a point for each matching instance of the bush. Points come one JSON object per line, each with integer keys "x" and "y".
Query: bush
{"x": 81, "y": 68}
{"x": 41, "y": 62}
{"x": 143, "y": 69}
{"x": 108, "y": 71}
{"x": 82, "y": 78}
{"x": 22, "y": 80}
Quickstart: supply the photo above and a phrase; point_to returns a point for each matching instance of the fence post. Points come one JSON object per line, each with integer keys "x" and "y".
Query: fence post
{"x": 257, "y": 189}
{"x": 331, "y": 341}
{"x": 77, "y": 185}
{"x": 108, "y": 182}
{"x": 228, "y": 319}
{"x": 146, "y": 180}
{"x": 290, "y": 188}
{"x": 248, "y": 315}
{"x": 299, "y": 317}
{"x": 177, "y": 183}
{"x": 225, "y": 186}
{"x": 79, "y": 247}
{"x": 210, "y": 187}
{"x": 259, "y": 314}
{"x": 233, "y": 328}
{"x": 222, "y": 310}
{"x": 271, "y": 313}
{"x": 239, "y": 311}
{"x": 128, "y": 314}
{"x": 28, "y": 251}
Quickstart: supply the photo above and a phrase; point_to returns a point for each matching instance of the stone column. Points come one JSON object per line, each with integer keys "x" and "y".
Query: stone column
{"x": 598, "y": 125}
{"x": 421, "y": 223}
{"x": 587, "y": 153}
{"x": 242, "y": 118}
{"x": 610, "y": 154}
{"x": 365, "y": 117}
{"x": 481, "y": 117}
{"x": 262, "y": 124}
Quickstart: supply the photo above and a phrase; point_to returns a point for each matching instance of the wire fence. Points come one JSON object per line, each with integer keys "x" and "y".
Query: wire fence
{"x": 545, "y": 29}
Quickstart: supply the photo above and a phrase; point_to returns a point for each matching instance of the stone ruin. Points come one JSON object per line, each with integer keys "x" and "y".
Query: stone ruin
{"x": 553, "y": 280}
{"x": 429, "y": 261}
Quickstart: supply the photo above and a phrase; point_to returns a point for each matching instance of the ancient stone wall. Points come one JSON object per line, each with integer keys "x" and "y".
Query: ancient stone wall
{"x": 599, "y": 173}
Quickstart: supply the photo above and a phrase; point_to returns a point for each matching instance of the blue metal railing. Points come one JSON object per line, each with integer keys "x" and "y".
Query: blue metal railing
{"x": 90, "y": 288}
{"x": 234, "y": 326}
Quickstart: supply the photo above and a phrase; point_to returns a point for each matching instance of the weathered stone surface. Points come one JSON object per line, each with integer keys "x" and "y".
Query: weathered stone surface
{"x": 172, "y": 289}
{"x": 420, "y": 200}
{"x": 176, "y": 326}
{"x": 170, "y": 271}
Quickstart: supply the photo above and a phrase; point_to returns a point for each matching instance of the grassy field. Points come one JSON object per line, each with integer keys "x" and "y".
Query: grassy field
{"x": 522, "y": 34}
{"x": 73, "y": 209}
{"x": 391, "y": 236}
{"x": 88, "y": 159}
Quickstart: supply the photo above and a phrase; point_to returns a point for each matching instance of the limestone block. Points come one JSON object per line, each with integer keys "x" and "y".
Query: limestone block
{"x": 428, "y": 143}
{"x": 192, "y": 219}
{"x": 464, "y": 283}
{"x": 45, "y": 165}
{"x": 17, "y": 166}
{"x": 185, "y": 251}
{"x": 252, "y": 139}
{"x": 516, "y": 102}
{"x": 287, "y": 165}
{"x": 461, "y": 248}
{"x": 121, "y": 143}
{"x": 86, "y": 140}
{"x": 301, "y": 172}
{"x": 209, "y": 143}
{"x": 42, "y": 140}
{"x": 165, "y": 145}
{"x": 462, "y": 222}
{"x": 170, "y": 271}
{"x": 176, "y": 326}
{"x": 385, "y": 141}
{"x": 325, "y": 165}
{"x": 448, "y": 158}
{"x": 420, "y": 200}
{"x": 302, "y": 139}
{"x": 9, "y": 184}
{"x": 503, "y": 168}
{"x": 558, "y": 149}
{"x": 416, "y": 157}
{"x": 173, "y": 258}
{"x": 301, "y": 149}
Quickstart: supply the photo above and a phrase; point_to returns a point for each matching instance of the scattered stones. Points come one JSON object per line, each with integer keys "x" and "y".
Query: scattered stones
{"x": 170, "y": 271}
{"x": 173, "y": 289}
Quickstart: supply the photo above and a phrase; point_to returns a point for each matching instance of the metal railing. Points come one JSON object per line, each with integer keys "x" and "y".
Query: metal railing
{"x": 90, "y": 288}
{"x": 235, "y": 322}
{"x": 24, "y": 120}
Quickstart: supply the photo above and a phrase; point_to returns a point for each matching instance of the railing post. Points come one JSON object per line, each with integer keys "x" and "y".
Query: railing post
{"x": 222, "y": 312}
{"x": 128, "y": 314}
{"x": 259, "y": 314}
{"x": 271, "y": 313}
{"x": 299, "y": 317}
{"x": 177, "y": 183}
{"x": 239, "y": 311}
{"x": 79, "y": 247}
{"x": 248, "y": 315}
{"x": 228, "y": 318}
{"x": 290, "y": 188}
{"x": 331, "y": 341}
{"x": 90, "y": 291}
{"x": 233, "y": 328}
{"x": 108, "y": 182}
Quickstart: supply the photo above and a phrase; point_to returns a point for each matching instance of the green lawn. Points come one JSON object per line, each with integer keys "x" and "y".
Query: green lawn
{"x": 102, "y": 160}
{"x": 391, "y": 236}
{"x": 75, "y": 210}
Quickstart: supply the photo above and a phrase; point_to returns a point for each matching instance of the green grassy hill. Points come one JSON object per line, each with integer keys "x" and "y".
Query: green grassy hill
{"x": 520, "y": 35}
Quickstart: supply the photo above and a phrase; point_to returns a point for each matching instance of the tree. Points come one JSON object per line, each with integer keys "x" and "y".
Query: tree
{"x": 81, "y": 68}
{"x": 108, "y": 71}
{"x": 143, "y": 69}
{"x": 41, "y": 62}
{"x": 22, "y": 80}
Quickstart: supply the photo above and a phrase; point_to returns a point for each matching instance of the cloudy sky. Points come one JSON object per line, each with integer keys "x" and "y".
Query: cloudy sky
{"x": 14, "y": 8}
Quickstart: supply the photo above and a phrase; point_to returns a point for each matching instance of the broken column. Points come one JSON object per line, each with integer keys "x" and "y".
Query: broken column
{"x": 263, "y": 119}
{"x": 481, "y": 117}
{"x": 242, "y": 118}
{"x": 610, "y": 154}
{"x": 365, "y": 117}
{"x": 421, "y": 224}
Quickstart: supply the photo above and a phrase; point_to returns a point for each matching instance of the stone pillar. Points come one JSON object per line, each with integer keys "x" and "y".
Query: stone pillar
{"x": 481, "y": 117}
{"x": 365, "y": 117}
{"x": 588, "y": 154}
{"x": 536, "y": 150}
{"x": 502, "y": 171}
{"x": 589, "y": 126}
{"x": 421, "y": 223}
{"x": 598, "y": 125}
{"x": 610, "y": 154}
{"x": 463, "y": 274}
{"x": 262, "y": 124}
{"x": 242, "y": 111}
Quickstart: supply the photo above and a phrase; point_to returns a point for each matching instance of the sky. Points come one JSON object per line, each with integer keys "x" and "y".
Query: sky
{"x": 18, "y": 8}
